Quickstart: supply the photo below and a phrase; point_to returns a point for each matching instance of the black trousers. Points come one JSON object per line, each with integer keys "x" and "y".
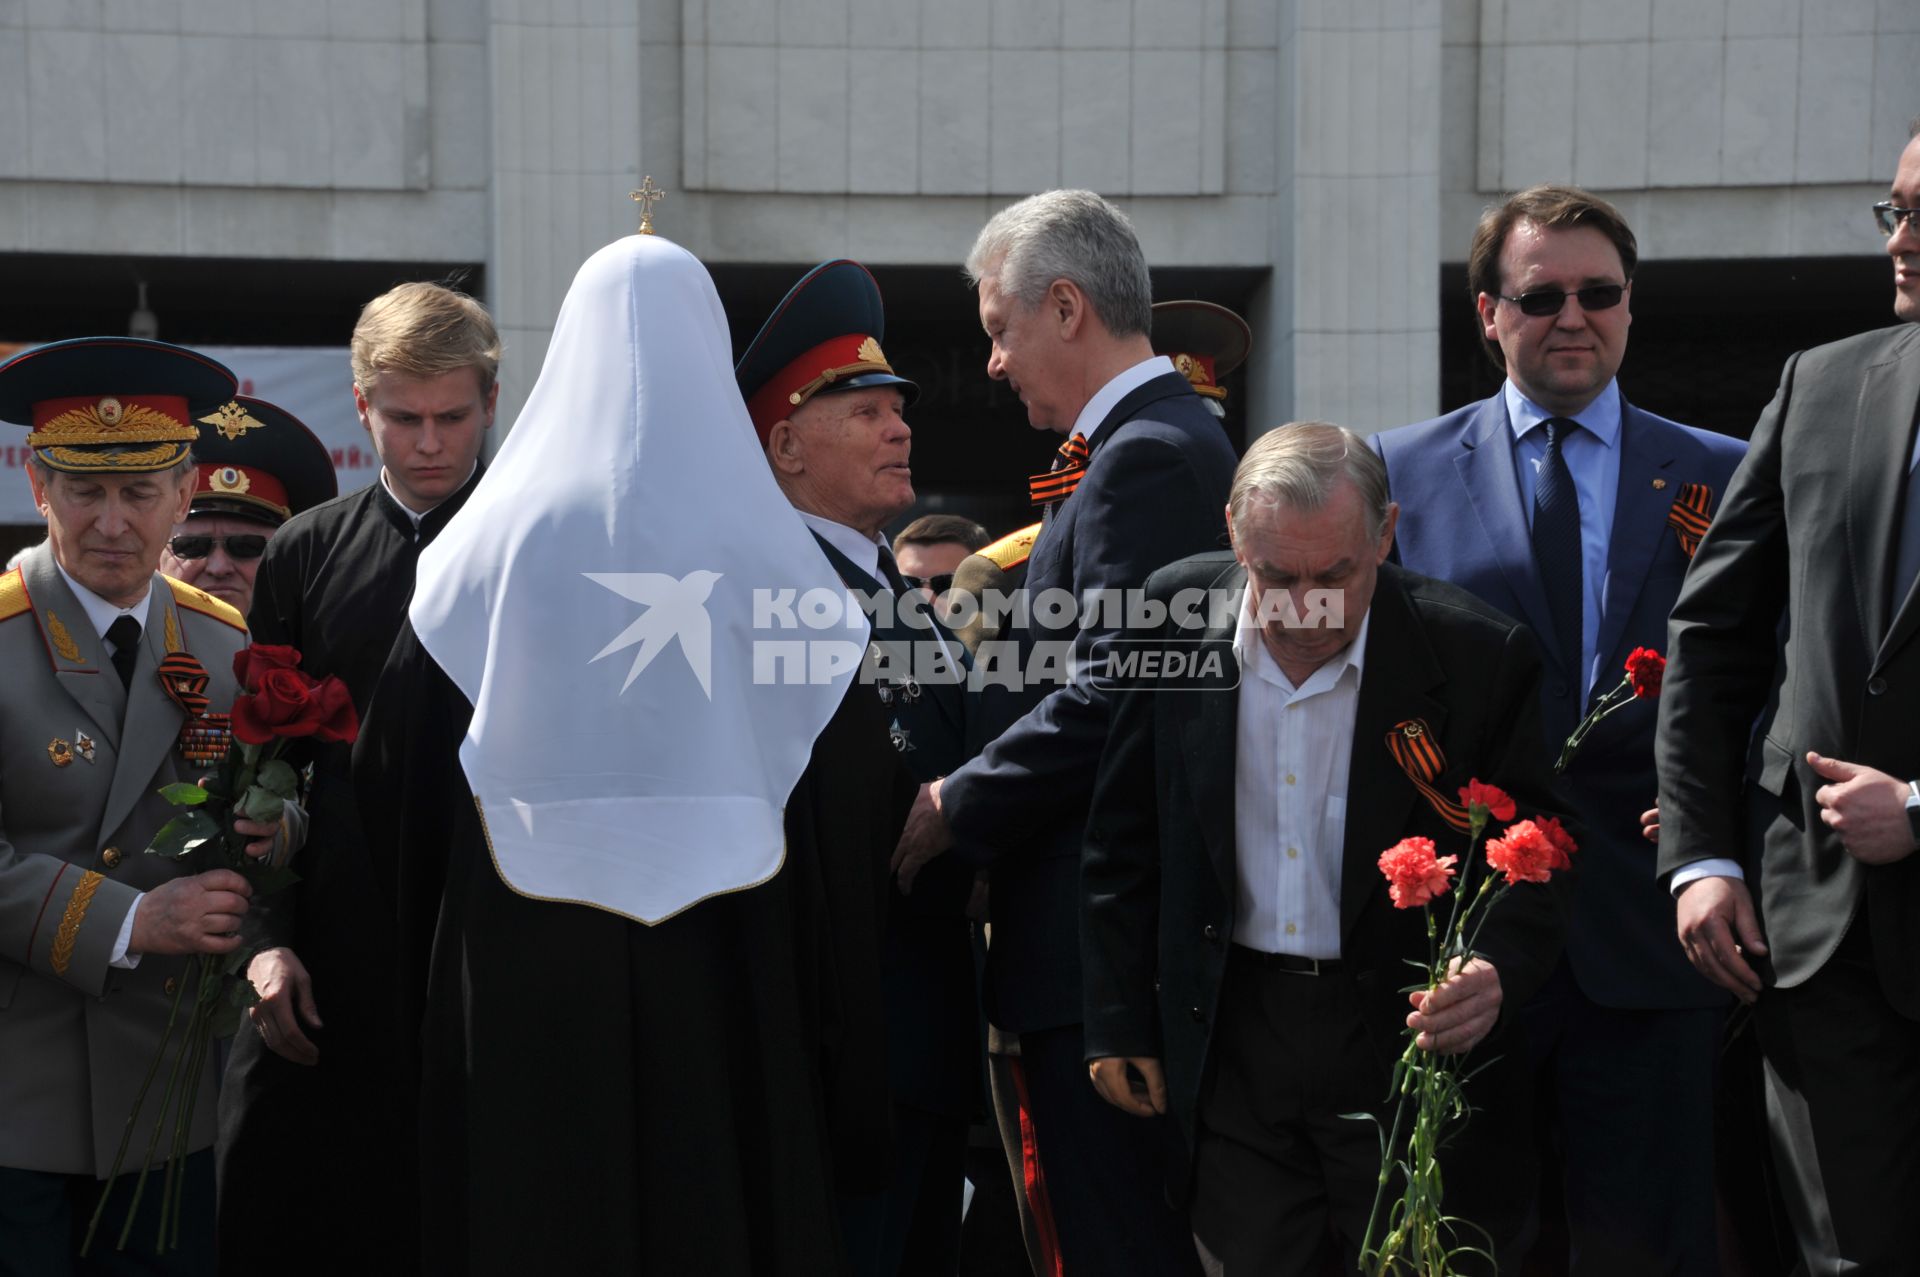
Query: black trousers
{"x": 44, "y": 1216}
{"x": 1843, "y": 1107}
{"x": 1616, "y": 1083}
{"x": 912, "y": 1229}
{"x": 1106, "y": 1170}
{"x": 1283, "y": 1182}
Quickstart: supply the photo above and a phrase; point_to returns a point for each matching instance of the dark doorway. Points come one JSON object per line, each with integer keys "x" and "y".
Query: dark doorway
{"x": 203, "y": 301}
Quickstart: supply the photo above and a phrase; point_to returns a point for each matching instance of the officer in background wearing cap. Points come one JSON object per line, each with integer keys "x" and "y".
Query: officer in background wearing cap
{"x": 94, "y": 935}
{"x": 827, "y": 406}
{"x": 258, "y": 465}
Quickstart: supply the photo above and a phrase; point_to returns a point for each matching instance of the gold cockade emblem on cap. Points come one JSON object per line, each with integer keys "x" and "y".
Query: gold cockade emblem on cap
{"x": 229, "y": 479}
{"x": 232, "y": 420}
{"x": 109, "y": 410}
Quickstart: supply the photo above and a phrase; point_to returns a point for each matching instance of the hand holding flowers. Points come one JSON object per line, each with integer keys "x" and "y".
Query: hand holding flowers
{"x": 1454, "y": 1007}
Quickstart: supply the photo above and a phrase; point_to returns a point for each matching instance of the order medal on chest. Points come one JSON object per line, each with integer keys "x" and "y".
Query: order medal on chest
{"x": 204, "y": 737}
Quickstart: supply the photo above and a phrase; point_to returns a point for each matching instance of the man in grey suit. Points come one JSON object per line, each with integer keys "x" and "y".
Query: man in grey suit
{"x": 94, "y": 935}
{"x": 1803, "y": 896}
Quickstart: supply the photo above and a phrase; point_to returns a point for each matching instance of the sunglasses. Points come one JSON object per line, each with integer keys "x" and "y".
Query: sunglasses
{"x": 1548, "y": 301}
{"x": 939, "y": 583}
{"x": 1888, "y": 217}
{"x": 245, "y": 545}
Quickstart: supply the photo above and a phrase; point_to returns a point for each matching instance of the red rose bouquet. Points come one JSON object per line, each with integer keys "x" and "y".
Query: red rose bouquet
{"x": 1645, "y": 670}
{"x": 277, "y": 703}
{"x": 1419, "y": 1236}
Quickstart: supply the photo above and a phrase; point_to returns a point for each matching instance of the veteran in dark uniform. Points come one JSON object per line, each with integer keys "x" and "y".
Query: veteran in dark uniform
{"x": 258, "y": 466}
{"x": 828, "y": 408}
{"x": 94, "y": 935}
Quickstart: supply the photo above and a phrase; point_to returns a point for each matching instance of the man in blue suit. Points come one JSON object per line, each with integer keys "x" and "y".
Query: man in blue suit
{"x": 1141, "y": 480}
{"x": 1563, "y": 505}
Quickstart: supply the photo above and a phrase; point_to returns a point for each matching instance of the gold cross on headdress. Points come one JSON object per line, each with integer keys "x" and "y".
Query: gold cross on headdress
{"x": 646, "y": 197}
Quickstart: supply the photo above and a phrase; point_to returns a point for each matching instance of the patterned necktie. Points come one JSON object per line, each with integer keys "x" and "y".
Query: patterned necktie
{"x": 124, "y": 634}
{"x": 1058, "y": 483}
{"x": 1556, "y": 548}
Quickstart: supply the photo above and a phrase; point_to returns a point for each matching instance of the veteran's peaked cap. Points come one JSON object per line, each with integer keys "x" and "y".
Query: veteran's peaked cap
{"x": 258, "y": 460}
{"x": 824, "y": 336}
{"x": 108, "y": 405}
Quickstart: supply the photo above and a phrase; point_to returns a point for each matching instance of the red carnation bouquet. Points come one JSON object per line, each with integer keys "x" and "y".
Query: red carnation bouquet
{"x": 1419, "y": 1236}
{"x": 277, "y": 703}
{"x": 1645, "y": 670}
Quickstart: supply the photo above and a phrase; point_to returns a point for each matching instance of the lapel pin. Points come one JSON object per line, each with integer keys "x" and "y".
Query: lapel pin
{"x": 83, "y": 745}
{"x": 59, "y": 752}
{"x": 1659, "y": 484}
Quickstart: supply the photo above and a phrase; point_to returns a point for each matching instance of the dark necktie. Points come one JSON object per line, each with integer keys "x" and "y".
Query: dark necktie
{"x": 1906, "y": 559}
{"x": 1556, "y": 548}
{"x": 891, "y": 570}
{"x": 124, "y": 634}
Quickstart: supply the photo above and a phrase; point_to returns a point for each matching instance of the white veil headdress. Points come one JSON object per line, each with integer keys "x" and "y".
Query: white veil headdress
{"x": 595, "y": 600}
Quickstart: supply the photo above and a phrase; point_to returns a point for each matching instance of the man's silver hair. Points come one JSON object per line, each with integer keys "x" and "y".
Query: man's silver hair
{"x": 1071, "y": 235}
{"x": 1302, "y": 463}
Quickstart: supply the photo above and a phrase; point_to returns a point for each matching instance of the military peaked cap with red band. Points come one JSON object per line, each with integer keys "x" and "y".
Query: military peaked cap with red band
{"x": 111, "y": 405}
{"x": 824, "y": 336}
{"x": 259, "y": 461}
{"x": 1205, "y": 342}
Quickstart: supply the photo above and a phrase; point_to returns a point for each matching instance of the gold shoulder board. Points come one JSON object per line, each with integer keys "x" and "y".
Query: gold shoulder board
{"x": 200, "y": 601}
{"x": 1011, "y": 550}
{"x": 13, "y": 596}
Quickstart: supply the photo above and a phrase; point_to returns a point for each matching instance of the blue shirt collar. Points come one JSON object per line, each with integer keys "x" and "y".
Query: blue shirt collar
{"x": 1601, "y": 418}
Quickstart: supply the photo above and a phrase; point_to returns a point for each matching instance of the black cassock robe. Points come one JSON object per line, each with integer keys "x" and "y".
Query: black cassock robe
{"x": 599, "y": 1096}
{"x": 313, "y": 1161}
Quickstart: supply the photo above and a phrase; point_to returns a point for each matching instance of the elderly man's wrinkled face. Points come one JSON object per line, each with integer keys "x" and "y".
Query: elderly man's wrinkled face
{"x": 844, "y": 456}
{"x": 1311, "y": 574}
{"x": 107, "y": 530}
{"x": 218, "y": 553}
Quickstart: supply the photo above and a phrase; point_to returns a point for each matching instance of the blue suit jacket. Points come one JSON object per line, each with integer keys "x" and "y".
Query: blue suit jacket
{"x": 1155, "y": 490}
{"x": 1461, "y": 521}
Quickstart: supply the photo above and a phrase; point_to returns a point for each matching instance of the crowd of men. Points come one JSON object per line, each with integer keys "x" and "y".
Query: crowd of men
{"x": 691, "y": 980}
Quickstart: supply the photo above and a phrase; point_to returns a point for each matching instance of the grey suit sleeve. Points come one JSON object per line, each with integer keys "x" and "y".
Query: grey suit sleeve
{"x": 58, "y": 918}
{"x": 1721, "y": 648}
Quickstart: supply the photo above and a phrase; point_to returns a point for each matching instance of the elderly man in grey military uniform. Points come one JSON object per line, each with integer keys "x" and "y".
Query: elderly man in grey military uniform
{"x": 94, "y": 935}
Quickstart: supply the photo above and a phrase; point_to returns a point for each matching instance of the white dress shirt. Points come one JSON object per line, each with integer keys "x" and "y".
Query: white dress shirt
{"x": 101, "y": 615}
{"x": 1293, "y": 753}
{"x": 1108, "y": 396}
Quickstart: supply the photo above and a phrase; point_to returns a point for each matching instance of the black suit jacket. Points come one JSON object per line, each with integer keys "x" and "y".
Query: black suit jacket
{"x": 1155, "y": 490}
{"x": 1160, "y": 852}
{"x": 1809, "y": 530}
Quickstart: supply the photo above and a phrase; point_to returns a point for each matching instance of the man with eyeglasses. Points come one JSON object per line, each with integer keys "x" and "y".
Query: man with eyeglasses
{"x": 1565, "y": 506}
{"x": 257, "y": 465}
{"x": 1821, "y": 527}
